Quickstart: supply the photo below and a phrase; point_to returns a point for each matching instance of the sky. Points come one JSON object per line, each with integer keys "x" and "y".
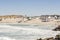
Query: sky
{"x": 29, "y": 7}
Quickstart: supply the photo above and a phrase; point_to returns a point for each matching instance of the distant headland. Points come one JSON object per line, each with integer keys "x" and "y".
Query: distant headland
{"x": 42, "y": 19}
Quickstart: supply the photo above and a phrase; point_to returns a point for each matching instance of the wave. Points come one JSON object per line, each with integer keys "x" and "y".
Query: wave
{"x": 44, "y": 33}
{"x": 34, "y": 31}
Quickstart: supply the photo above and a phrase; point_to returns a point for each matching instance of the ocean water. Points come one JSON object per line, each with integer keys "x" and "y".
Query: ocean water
{"x": 26, "y": 31}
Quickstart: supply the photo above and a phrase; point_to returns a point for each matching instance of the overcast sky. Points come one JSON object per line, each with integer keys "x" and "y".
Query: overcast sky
{"x": 29, "y": 7}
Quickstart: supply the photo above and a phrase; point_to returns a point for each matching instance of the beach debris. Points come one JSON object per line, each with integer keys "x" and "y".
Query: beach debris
{"x": 57, "y": 28}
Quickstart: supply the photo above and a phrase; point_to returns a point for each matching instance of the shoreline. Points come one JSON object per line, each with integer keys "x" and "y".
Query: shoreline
{"x": 38, "y": 20}
{"x": 31, "y": 23}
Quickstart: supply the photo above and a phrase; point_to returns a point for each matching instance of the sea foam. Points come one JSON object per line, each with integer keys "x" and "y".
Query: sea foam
{"x": 27, "y": 31}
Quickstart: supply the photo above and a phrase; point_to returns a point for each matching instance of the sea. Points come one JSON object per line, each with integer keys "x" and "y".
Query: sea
{"x": 26, "y": 31}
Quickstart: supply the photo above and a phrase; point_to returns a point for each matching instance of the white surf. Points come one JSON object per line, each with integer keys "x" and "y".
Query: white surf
{"x": 27, "y": 31}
